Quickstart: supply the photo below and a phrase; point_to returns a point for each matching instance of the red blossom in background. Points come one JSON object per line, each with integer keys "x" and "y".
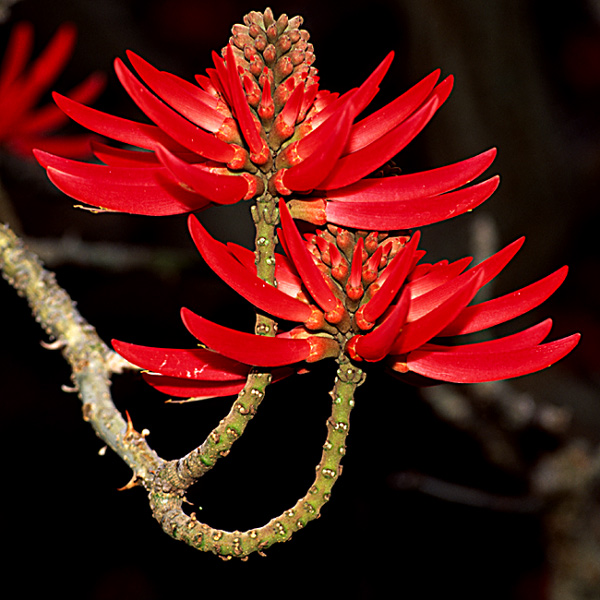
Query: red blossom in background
{"x": 257, "y": 121}
{"x": 365, "y": 295}
{"x": 22, "y": 125}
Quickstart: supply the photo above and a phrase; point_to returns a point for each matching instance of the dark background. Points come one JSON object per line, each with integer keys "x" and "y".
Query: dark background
{"x": 528, "y": 82}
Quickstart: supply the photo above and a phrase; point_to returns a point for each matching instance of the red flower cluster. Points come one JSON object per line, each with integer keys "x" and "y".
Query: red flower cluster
{"x": 22, "y": 125}
{"x": 362, "y": 294}
{"x": 258, "y": 122}
{"x": 257, "y": 125}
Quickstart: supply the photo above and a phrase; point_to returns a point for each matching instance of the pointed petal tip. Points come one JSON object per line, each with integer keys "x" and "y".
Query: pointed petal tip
{"x": 478, "y": 367}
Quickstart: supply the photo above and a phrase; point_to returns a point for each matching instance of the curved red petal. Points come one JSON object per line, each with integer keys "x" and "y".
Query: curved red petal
{"x": 177, "y": 127}
{"x": 425, "y": 184}
{"x": 383, "y": 120}
{"x": 244, "y": 282}
{"x": 417, "y": 332}
{"x": 376, "y": 344}
{"x": 250, "y": 349}
{"x": 398, "y": 270}
{"x": 437, "y": 276}
{"x": 499, "y": 310}
{"x": 487, "y": 270}
{"x": 197, "y": 363}
{"x": 361, "y": 98}
{"x": 527, "y": 338}
{"x": 217, "y": 187}
{"x": 117, "y": 128}
{"x": 248, "y": 126}
{"x": 192, "y": 389}
{"x": 310, "y": 274}
{"x": 352, "y": 167}
{"x": 383, "y": 215}
{"x": 144, "y": 191}
{"x": 186, "y": 98}
{"x": 333, "y": 134}
{"x": 459, "y": 367}
{"x": 16, "y": 55}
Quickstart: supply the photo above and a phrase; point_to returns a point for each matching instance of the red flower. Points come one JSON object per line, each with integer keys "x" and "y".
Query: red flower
{"x": 24, "y": 127}
{"x": 257, "y": 122}
{"x": 365, "y": 295}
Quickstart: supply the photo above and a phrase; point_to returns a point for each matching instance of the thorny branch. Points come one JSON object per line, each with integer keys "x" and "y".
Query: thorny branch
{"x": 93, "y": 363}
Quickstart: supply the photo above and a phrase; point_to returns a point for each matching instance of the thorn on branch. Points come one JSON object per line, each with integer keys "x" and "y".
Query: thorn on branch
{"x": 55, "y": 345}
{"x": 133, "y": 482}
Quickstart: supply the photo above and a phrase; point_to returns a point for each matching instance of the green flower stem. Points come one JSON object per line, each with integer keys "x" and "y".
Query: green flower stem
{"x": 179, "y": 475}
{"x": 266, "y": 217}
{"x": 167, "y": 507}
{"x": 91, "y": 361}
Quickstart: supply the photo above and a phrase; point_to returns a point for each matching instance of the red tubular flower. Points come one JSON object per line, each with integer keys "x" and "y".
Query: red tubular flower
{"x": 194, "y": 374}
{"x": 385, "y": 307}
{"x": 22, "y": 125}
{"x": 257, "y": 123}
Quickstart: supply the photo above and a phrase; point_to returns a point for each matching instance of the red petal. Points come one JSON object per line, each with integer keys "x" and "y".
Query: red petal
{"x": 47, "y": 67}
{"x": 192, "y": 389}
{"x": 244, "y": 282}
{"x": 197, "y": 363}
{"x": 250, "y": 349}
{"x": 285, "y": 273}
{"x": 198, "y": 390}
{"x": 50, "y": 117}
{"x": 313, "y": 169}
{"x": 16, "y": 55}
{"x": 398, "y": 270}
{"x": 310, "y": 274}
{"x": 286, "y": 120}
{"x": 180, "y": 129}
{"x": 383, "y": 215}
{"x": 218, "y": 188}
{"x": 144, "y": 191}
{"x": 120, "y": 157}
{"x": 186, "y": 98}
{"x": 417, "y": 332}
{"x": 117, "y": 128}
{"x": 72, "y": 146}
{"x": 354, "y": 287}
{"x": 362, "y": 97}
{"x": 487, "y": 269}
{"x": 523, "y": 339}
{"x": 355, "y": 166}
{"x": 459, "y": 367}
{"x": 380, "y": 122}
{"x": 358, "y": 98}
{"x": 375, "y": 345}
{"x": 507, "y": 307}
{"x": 425, "y": 184}
{"x": 259, "y": 150}
{"x": 437, "y": 276}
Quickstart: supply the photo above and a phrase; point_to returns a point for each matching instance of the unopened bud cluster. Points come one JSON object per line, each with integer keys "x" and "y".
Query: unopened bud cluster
{"x": 354, "y": 265}
{"x": 274, "y": 58}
